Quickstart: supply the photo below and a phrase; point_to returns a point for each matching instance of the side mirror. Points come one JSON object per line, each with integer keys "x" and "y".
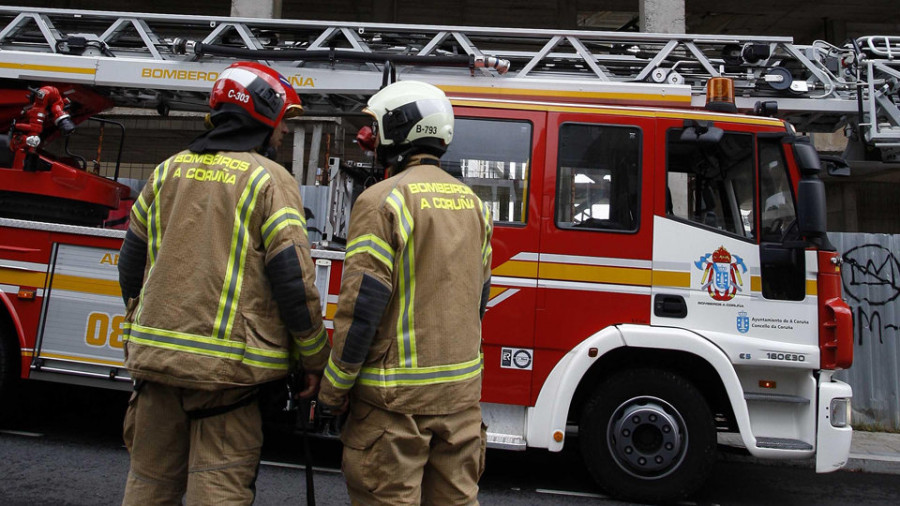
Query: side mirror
{"x": 835, "y": 166}
{"x": 807, "y": 157}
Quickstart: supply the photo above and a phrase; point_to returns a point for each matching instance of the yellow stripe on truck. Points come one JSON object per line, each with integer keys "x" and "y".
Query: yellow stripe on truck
{"x": 22, "y": 278}
{"x": 49, "y": 68}
{"x": 595, "y": 274}
{"x": 86, "y": 285}
{"x": 674, "y": 279}
{"x": 517, "y": 269}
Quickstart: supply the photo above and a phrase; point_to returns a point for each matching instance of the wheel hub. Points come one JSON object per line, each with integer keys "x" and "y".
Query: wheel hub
{"x": 646, "y": 437}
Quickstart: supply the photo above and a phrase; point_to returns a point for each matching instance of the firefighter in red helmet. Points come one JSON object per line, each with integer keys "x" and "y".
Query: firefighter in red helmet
{"x": 218, "y": 283}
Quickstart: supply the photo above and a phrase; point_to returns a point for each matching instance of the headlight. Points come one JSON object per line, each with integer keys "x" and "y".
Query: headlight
{"x": 840, "y": 412}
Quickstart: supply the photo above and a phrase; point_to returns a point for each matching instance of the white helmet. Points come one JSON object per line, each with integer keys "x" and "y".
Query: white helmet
{"x": 411, "y": 117}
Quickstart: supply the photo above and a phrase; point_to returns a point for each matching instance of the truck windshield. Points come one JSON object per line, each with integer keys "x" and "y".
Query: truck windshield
{"x": 775, "y": 197}
{"x": 712, "y": 184}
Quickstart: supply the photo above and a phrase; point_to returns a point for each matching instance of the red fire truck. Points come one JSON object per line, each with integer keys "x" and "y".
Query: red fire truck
{"x": 661, "y": 271}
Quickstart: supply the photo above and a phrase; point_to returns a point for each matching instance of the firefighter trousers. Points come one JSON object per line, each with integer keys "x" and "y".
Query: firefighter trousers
{"x": 393, "y": 458}
{"x": 200, "y": 445}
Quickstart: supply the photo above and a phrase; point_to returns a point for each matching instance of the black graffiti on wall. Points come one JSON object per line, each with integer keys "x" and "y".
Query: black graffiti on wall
{"x": 871, "y": 275}
{"x": 869, "y": 323}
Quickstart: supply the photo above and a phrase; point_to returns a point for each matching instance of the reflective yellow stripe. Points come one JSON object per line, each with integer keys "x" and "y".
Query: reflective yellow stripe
{"x": 373, "y": 245}
{"x": 284, "y": 217}
{"x": 154, "y": 229}
{"x": 337, "y": 377}
{"x": 140, "y": 210}
{"x": 406, "y": 334}
{"x": 313, "y": 345}
{"x": 486, "y": 249}
{"x": 396, "y": 201}
{"x": 240, "y": 244}
{"x": 415, "y": 376}
{"x": 207, "y": 346}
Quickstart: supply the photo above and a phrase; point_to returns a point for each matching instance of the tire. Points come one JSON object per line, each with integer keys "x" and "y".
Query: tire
{"x": 648, "y": 435}
{"x": 9, "y": 367}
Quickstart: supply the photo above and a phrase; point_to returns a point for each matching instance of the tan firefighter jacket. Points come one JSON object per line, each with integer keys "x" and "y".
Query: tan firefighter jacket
{"x": 228, "y": 297}
{"x": 407, "y": 331}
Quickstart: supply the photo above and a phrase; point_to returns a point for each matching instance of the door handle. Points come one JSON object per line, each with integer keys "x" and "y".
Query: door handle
{"x": 669, "y": 306}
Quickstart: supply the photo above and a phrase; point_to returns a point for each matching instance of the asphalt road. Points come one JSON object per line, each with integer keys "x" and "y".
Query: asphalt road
{"x": 61, "y": 445}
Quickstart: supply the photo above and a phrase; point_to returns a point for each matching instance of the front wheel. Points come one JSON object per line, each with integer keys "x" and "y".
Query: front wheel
{"x": 648, "y": 435}
{"x": 9, "y": 370}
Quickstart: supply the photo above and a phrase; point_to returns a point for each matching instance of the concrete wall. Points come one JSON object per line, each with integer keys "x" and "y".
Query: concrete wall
{"x": 256, "y": 8}
{"x": 662, "y": 16}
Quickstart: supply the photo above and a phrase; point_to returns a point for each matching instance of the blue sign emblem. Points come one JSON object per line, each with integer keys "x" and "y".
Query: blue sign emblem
{"x": 722, "y": 276}
{"x": 743, "y": 322}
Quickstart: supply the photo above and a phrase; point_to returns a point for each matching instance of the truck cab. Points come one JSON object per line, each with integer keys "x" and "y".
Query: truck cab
{"x": 660, "y": 277}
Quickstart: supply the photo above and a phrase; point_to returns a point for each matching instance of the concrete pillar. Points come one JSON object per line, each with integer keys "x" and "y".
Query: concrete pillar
{"x": 851, "y": 216}
{"x": 835, "y": 31}
{"x": 662, "y": 16}
{"x": 256, "y": 8}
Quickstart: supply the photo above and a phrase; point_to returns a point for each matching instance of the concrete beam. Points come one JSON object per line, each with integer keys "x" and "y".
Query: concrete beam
{"x": 256, "y": 8}
{"x": 662, "y": 16}
{"x": 384, "y": 11}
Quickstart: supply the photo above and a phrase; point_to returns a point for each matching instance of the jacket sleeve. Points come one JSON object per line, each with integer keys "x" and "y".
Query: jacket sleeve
{"x": 133, "y": 255}
{"x": 486, "y": 257}
{"x": 365, "y": 293}
{"x": 292, "y": 275}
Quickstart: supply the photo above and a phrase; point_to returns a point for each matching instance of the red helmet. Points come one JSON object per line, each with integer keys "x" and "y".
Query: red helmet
{"x": 257, "y": 89}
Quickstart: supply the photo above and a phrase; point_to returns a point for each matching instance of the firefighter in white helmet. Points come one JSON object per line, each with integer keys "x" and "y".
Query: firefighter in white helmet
{"x": 220, "y": 295}
{"x": 407, "y": 339}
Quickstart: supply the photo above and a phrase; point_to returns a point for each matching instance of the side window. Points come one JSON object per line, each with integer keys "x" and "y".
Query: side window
{"x": 775, "y": 197}
{"x": 493, "y": 157}
{"x": 598, "y": 179}
{"x": 711, "y": 184}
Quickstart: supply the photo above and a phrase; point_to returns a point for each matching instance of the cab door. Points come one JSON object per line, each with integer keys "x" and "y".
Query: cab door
{"x": 726, "y": 262}
{"x": 499, "y": 153}
{"x": 596, "y": 230}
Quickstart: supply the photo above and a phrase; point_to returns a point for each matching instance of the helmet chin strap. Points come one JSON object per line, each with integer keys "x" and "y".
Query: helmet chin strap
{"x": 266, "y": 149}
{"x": 396, "y": 160}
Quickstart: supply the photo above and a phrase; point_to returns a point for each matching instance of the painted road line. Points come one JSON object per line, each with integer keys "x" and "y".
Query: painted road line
{"x": 874, "y": 456}
{"x": 571, "y": 493}
{"x": 21, "y": 433}
{"x": 299, "y": 466}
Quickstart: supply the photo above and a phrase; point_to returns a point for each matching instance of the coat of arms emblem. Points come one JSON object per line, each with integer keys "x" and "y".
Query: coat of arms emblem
{"x": 721, "y": 274}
